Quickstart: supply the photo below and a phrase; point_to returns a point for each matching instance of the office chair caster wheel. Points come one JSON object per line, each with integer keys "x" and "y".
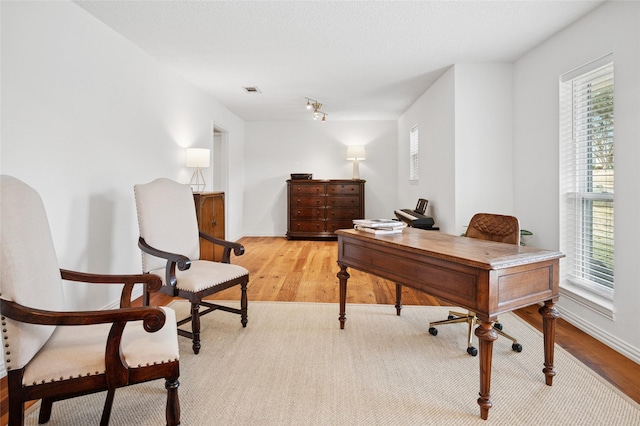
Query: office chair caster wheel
{"x": 517, "y": 347}
{"x": 433, "y": 331}
{"x": 472, "y": 351}
{"x": 498, "y": 326}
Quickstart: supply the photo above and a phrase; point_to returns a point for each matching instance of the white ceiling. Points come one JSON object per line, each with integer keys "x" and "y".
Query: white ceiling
{"x": 365, "y": 60}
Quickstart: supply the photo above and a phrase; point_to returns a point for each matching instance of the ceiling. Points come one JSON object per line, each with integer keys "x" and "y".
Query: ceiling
{"x": 364, "y": 60}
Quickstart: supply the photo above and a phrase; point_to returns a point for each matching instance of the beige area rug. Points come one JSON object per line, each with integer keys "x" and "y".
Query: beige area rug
{"x": 292, "y": 365}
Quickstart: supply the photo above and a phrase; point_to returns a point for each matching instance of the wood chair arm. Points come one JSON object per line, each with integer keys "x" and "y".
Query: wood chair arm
{"x": 152, "y": 283}
{"x": 173, "y": 259}
{"x": 153, "y": 318}
{"x": 238, "y": 249}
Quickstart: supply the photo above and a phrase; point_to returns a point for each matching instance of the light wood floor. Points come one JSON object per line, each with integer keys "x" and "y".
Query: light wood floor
{"x": 305, "y": 271}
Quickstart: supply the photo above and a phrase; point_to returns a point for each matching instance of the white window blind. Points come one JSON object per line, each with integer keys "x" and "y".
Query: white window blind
{"x": 413, "y": 153}
{"x": 587, "y": 176}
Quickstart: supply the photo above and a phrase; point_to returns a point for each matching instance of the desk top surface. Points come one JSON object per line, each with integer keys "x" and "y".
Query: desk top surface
{"x": 468, "y": 251}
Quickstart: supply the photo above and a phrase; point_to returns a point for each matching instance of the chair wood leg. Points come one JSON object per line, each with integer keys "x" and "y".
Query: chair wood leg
{"x": 16, "y": 414}
{"x": 195, "y": 326}
{"x": 106, "y": 411}
{"x": 398, "y": 298}
{"x": 16, "y": 404}
{"x": 243, "y": 304}
{"x": 173, "y": 402}
{"x": 46, "y": 406}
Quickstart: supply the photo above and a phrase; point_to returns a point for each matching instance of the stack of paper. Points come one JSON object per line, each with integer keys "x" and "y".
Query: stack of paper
{"x": 379, "y": 226}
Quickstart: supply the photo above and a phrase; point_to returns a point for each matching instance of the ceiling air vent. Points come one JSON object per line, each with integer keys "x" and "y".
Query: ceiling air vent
{"x": 251, "y": 89}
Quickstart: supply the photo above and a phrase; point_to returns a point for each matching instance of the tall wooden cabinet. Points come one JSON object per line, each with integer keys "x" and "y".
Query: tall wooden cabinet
{"x": 316, "y": 208}
{"x": 210, "y": 213}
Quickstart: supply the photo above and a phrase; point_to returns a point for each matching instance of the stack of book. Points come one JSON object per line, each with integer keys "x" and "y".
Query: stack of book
{"x": 379, "y": 226}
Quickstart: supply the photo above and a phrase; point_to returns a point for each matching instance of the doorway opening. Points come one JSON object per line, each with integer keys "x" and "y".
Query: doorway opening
{"x": 220, "y": 173}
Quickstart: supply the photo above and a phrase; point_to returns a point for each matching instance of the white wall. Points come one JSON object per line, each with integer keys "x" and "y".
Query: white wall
{"x": 613, "y": 27}
{"x": 483, "y": 141}
{"x": 464, "y": 121}
{"x": 434, "y": 113}
{"x": 274, "y": 150}
{"x": 85, "y": 116}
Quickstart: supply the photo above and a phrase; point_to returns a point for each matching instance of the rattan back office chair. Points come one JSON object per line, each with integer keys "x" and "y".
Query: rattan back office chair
{"x": 491, "y": 227}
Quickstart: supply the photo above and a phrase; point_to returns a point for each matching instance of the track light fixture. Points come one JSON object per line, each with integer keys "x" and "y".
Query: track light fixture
{"x": 315, "y": 105}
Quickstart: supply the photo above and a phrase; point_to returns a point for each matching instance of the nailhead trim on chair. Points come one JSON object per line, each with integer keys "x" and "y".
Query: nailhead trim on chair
{"x": 98, "y": 373}
{"x": 7, "y": 361}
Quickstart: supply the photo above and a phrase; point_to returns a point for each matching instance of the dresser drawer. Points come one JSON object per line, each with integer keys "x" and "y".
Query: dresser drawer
{"x": 307, "y": 226}
{"x": 343, "y": 213}
{"x": 307, "y": 202}
{"x": 334, "y": 225}
{"x": 309, "y": 189}
{"x": 307, "y": 213}
{"x": 344, "y": 201}
{"x": 343, "y": 189}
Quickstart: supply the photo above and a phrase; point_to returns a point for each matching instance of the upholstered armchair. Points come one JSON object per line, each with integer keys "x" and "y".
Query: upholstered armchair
{"x": 170, "y": 244}
{"x": 53, "y": 354}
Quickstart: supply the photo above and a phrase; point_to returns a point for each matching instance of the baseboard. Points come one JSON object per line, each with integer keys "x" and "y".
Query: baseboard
{"x": 599, "y": 334}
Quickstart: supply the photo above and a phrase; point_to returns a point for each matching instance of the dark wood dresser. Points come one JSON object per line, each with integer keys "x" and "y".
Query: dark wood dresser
{"x": 210, "y": 213}
{"x": 316, "y": 208}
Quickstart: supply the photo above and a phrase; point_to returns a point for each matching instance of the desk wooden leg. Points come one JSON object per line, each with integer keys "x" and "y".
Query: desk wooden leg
{"x": 549, "y": 315}
{"x": 343, "y": 276}
{"x": 398, "y": 298}
{"x": 486, "y": 335}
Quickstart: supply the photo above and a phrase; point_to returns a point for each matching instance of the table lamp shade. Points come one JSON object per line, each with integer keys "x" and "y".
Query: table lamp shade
{"x": 198, "y": 157}
{"x": 355, "y": 152}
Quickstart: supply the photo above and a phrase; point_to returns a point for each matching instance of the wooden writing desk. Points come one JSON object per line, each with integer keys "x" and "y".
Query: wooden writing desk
{"x": 485, "y": 277}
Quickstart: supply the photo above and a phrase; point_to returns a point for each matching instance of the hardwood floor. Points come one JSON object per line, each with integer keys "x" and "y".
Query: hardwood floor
{"x": 305, "y": 271}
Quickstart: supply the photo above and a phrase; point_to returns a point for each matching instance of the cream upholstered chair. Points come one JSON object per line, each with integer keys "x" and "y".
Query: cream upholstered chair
{"x": 492, "y": 227}
{"x": 170, "y": 244}
{"x": 54, "y": 354}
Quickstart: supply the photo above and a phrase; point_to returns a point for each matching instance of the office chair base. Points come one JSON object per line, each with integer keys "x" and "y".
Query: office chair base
{"x": 471, "y": 320}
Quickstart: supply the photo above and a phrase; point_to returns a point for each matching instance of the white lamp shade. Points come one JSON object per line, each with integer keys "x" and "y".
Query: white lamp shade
{"x": 198, "y": 157}
{"x": 355, "y": 152}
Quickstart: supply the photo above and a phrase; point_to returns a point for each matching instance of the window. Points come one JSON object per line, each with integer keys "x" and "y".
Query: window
{"x": 413, "y": 153}
{"x": 587, "y": 177}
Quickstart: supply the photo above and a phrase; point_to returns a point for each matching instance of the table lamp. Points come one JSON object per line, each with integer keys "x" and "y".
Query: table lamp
{"x": 355, "y": 153}
{"x": 197, "y": 157}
